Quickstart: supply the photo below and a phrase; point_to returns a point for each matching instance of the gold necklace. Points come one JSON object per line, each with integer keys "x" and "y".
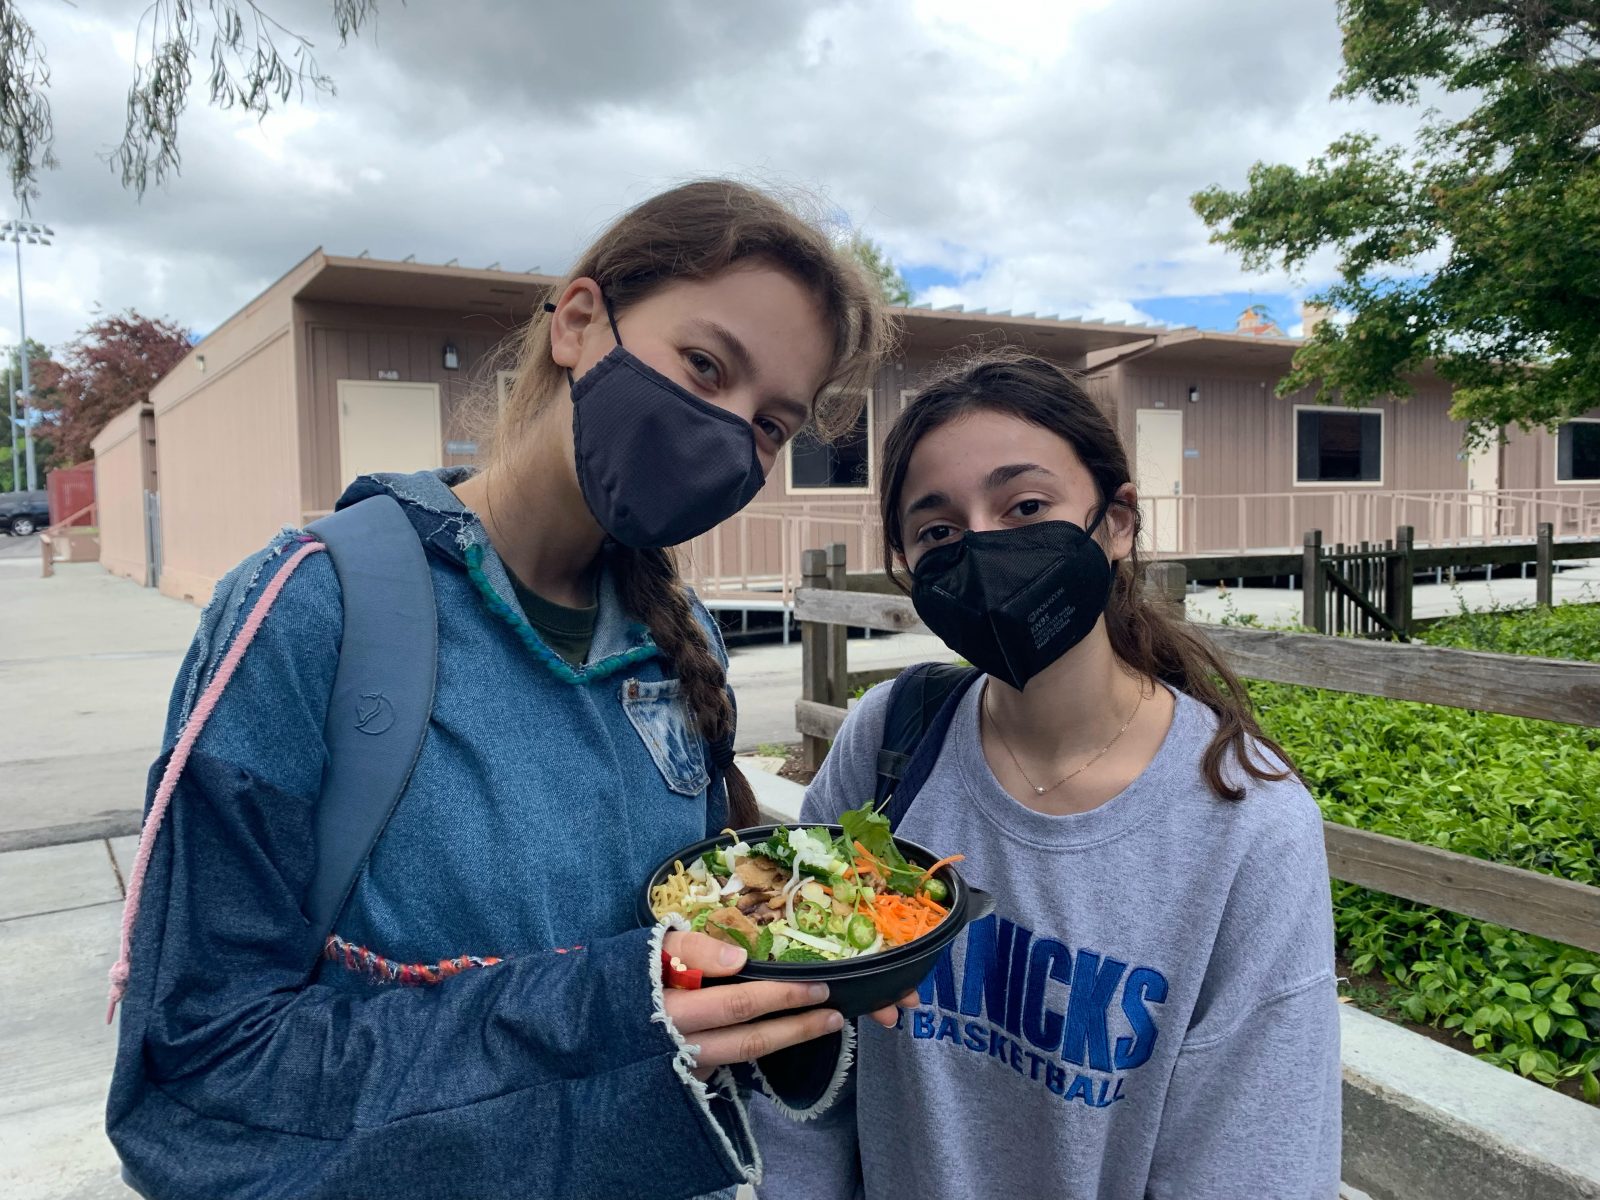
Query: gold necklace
{"x": 1040, "y": 791}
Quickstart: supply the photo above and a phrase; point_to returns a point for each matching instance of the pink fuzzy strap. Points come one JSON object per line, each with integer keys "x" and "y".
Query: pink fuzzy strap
{"x": 180, "y": 756}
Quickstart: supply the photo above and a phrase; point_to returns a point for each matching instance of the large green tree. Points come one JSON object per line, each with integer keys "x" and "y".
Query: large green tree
{"x": 880, "y": 267}
{"x": 1477, "y": 247}
{"x": 250, "y": 60}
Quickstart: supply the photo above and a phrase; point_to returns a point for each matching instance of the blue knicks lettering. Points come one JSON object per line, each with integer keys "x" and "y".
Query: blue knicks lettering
{"x": 1143, "y": 984}
{"x": 1040, "y": 1025}
{"x": 983, "y": 978}
{"x": 1093, "y": 985}
{"x": 1019, "y": 973}
{"x": 940, "y": 985}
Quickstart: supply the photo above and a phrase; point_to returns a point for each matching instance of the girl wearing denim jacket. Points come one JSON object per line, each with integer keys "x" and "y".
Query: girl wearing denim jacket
{"x": 486, "y": 1018}
{"x": 1150, "y": 1013}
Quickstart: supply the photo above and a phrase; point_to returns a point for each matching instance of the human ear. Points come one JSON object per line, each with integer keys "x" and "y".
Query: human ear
{"x": 1121, "y": 524}
{"x": 577, "y": 312}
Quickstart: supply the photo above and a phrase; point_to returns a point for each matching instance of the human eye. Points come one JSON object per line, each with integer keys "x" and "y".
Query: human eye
{"x": 932, "y": 535}
{"x": 774, "y": 431}
{"x": 1028, "y": 509}
{"x": 705, "y": 369}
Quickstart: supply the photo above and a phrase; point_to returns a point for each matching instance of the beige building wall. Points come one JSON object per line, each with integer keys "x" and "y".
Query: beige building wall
{"x": 1529, "y": 460}
{"x": 120, "y": 477}
{"x": 230, "y": 474}
{"x": 405, "y": 345}
{"x": 227, "y": 442}
{"x": 1239, "y": 440}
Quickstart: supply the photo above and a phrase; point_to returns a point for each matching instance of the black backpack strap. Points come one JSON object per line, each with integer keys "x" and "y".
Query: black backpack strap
{"x": 382, "y": 692}
{"x": 922, "y": 704}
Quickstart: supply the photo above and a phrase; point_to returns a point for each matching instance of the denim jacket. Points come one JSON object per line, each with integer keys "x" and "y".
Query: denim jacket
{"x": 486, "y": 1020}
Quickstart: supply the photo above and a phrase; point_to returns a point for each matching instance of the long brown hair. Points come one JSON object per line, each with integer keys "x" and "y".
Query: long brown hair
{"x": 695, "y": 232}
{"x": 1143, "y": 634}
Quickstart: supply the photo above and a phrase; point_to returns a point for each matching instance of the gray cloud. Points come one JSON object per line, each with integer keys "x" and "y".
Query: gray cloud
{"x": 1044, "y": 157}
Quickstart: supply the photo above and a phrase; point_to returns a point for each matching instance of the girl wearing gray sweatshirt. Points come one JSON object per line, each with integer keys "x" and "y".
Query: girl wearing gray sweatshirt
{"x": 1151, "y": 1011}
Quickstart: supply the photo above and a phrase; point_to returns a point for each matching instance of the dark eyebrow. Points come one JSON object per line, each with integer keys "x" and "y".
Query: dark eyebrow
{"x": 998, "y": 477}
{"x": 1001, "y": 476}
{"x": 736, "y": 350}
{"x": 730, "y": 345}
{"x": 931, "y": 500}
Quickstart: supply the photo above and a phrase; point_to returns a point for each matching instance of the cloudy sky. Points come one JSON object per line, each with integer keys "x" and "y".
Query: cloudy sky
{"x": 1033, "y": 155}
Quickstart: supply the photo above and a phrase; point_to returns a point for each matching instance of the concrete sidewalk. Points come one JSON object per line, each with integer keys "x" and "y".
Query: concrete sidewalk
{"x": 59, "y": 912}
{"x": 86, "y": 663}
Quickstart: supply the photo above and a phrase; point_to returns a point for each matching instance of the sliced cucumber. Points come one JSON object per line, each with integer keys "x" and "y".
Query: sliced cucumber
{"x": 861, "y": 931}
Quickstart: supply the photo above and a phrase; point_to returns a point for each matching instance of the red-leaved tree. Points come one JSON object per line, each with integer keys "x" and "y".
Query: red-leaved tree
{"x": 110, "y": 365}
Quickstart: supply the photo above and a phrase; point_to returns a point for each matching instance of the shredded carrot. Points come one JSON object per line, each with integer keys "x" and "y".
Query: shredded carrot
{"x": 900, "y": 920}
{"x": 872, "y": 860}
{"x": 943, "y": 862}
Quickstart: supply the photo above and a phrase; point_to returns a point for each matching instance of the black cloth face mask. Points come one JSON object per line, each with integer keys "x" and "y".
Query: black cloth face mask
{"x": 1013, "y": 601}
{"x": 656, "y": 464}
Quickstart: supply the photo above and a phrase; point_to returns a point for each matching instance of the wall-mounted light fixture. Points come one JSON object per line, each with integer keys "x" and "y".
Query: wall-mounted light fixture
{"x": 200, "y": 361}
{"x": 452, "y": 360}
{"x": 1194, "y": 394}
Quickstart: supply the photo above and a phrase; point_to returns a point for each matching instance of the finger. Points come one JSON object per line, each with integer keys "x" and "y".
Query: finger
{"x": 738, "y": 1003}
{"x": 744, "y": 1043}
{"x": 702, "y": 952}
{"x": 887, "y": 1017}
{"x": 909, "y": 1000}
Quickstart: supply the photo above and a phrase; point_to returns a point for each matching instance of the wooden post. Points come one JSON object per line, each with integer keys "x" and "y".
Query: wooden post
{"x": 838, "y": 635}
{"x": 814, "y": 653}
{"x": 1170, "y": 582}
{"x": 1312, "y": 612}
{"x": 1404, "y": 577}
{"x": 49, "y": 552}
{"x": 1544, "y": 585}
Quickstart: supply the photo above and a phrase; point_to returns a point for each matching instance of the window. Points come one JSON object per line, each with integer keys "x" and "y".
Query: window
{"x": 1338, "y": 445}
{"x": 1578, "y": 452}
{"x": 818, "y": 467}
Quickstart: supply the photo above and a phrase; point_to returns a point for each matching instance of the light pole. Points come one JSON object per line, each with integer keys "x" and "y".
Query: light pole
{"x": 11, "y": 396}
{"x": 40, "y": 235}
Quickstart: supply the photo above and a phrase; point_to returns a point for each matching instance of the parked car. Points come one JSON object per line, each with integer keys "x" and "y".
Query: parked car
{"x": 23, "y": 513}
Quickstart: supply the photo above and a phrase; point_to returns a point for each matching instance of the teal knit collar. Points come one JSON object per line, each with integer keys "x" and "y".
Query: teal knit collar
{"x": 558, "y": 666}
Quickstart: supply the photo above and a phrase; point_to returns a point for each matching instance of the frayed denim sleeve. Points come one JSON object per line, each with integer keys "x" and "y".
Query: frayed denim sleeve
{"x": 543, "y": 1075}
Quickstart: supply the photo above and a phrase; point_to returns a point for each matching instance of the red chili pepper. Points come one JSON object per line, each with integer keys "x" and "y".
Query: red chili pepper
{"x": 675, "y": 975}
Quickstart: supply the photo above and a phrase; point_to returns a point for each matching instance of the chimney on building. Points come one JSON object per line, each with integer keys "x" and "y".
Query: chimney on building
{"x": 1312, "y": 315}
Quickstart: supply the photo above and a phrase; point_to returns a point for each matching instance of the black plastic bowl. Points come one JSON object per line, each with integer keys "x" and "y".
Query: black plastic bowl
{"x": 855, "y": 985}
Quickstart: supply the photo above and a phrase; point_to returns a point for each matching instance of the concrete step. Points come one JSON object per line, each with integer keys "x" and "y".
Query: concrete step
{"x": 1423, "y": 1121}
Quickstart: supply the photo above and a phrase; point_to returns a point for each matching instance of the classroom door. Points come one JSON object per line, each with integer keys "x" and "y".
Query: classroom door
{"x": 388, "y": 427}
{"x": 1158, "y": 453}
{"x": 1483, "y": 484}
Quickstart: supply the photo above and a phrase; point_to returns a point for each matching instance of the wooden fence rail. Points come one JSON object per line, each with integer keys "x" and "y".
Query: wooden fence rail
{"x": 1547, "y": 689}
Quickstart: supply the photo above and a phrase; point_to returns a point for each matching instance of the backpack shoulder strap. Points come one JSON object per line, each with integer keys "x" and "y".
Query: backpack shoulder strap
{"x": 382, "y": 692}
{"x": 922, "y": 704}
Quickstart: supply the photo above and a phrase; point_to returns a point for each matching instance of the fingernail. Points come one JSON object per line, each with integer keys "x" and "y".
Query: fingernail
{"x": 731, "y": 956}
{"x": 817, "y": 993}
{"x": 835, "y": 1022}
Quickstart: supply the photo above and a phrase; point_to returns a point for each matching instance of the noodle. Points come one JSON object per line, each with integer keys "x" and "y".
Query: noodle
{"x": 671, "y": 895}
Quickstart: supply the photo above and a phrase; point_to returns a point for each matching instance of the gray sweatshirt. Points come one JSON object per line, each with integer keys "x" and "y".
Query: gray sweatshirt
{"x": 1150, "y": 1013}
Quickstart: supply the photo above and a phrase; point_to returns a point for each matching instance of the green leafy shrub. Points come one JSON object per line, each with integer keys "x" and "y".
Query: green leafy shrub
{"x": 1514, "y": 791}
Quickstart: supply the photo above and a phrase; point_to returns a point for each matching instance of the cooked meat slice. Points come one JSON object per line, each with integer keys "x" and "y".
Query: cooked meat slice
{"x": 724, "y": 919}
{"x": 752, "y": 898}
{"x": 760, "y": 873}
